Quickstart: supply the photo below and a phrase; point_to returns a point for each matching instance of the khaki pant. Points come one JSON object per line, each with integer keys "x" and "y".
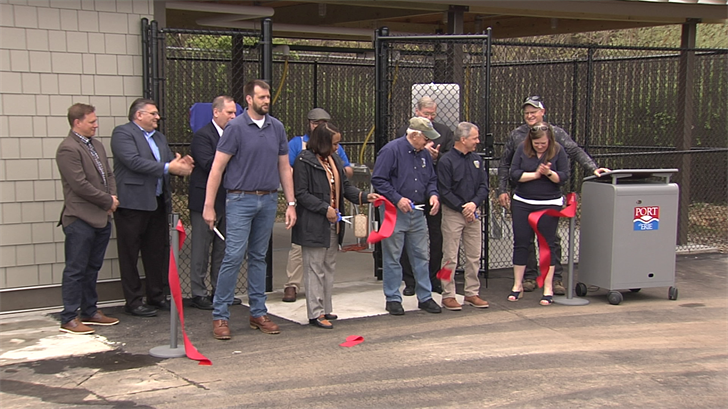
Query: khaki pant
{"x": 319, "y": 264}
{"x": 294, "y": 268}
{"x": 454, "y": 227}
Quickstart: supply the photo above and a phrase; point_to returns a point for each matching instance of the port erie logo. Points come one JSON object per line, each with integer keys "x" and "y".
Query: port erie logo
{"x": 646, "y": 218}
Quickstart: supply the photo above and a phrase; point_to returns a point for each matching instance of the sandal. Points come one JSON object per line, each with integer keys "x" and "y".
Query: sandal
{"x": 547, "y": 300}
{"x": 515, "y": 295}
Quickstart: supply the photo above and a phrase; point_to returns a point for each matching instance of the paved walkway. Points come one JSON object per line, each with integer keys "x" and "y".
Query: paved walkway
{"x": 647, "y": 352}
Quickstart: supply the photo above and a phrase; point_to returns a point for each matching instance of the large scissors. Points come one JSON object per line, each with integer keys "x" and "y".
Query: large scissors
{"x": 417, "y": 207}
{"x": 340, "y": 218}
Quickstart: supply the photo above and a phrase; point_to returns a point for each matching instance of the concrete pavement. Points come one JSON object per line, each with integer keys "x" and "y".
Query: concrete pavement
{"x": 648, "y": 352}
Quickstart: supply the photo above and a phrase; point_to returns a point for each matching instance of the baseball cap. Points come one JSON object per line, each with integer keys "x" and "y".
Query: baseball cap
{"x": 425, "y": 126}
{"x": 318, "y": 114}
{"x": 535, "y": 101}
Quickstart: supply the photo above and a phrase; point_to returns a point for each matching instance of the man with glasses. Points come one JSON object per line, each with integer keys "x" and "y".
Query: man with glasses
{"x": 426, "y": 107}
{"x": 142, "y": 165}
{"x": 403, "y": 173}
{"x": 294, "y": 268}
{"x": 533, "y": 113}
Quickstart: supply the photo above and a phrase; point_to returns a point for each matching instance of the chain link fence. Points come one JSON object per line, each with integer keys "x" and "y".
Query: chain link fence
{"x": 624, "y": 106}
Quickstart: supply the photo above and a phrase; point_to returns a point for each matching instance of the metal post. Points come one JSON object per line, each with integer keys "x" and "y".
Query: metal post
{"x": 266, "y": 51}
{"x": 569, "y": 299}
{"x": 381, "y": 120}
{"x": 155, "y": 62}
{"x": 171, "y": 351}
{"x": 146, "y": 87}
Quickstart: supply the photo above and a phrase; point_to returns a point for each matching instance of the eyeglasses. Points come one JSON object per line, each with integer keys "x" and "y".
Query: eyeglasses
{"x": 155, "y": 113}
{"x": 539, "y": 128}
{"x": 534, "y": 98}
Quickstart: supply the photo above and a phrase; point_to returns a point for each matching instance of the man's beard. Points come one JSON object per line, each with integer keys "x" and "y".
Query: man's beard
{"x": 260, "y": 109}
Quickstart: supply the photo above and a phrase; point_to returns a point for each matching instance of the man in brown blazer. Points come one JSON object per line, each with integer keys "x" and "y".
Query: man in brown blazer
{"x": 89, "y": 199}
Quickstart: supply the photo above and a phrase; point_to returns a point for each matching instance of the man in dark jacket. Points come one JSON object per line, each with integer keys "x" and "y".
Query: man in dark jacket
{"x": 202, "y": 149}
{"x": 533, "y": 112}
{"x": 426, "y": 107}
{"x": 143, "y": 163}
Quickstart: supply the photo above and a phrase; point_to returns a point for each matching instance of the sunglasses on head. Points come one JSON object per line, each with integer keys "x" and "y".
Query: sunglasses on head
{"x": 539, "y": 128}
{"x": 535, "y": 98}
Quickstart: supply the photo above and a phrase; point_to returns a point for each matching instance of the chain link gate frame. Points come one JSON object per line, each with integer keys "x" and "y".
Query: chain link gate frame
{"x": 182, "y": 67}
{"x": 457, "y": 69}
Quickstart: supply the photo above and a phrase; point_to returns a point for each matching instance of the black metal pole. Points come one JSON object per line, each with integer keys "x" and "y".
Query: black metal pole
{"x": 146, "y": 88}
{"x": 315, "y": 81}
{"x": 381, "y": 67}
{"x": 266, "y": 74}
{"x": 155, "y": 61}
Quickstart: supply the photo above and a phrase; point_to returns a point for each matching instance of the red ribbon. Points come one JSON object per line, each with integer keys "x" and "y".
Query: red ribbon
{"x": 352, "y": 340}
{"x": 190, "y": 350}
{"x": 544, "y": 252}
{"x": 445, "y": 273}
{"x": 387, "y": 226}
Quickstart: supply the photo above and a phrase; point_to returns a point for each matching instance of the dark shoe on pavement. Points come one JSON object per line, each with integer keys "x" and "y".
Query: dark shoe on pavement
{"x": 451, "y": 304}
{"x": 394, "y": 308}
{"x": 99, "y": 319}
{"x": 160, "y": 305}
{"x": 289, "y": 294}
{"x": 476, "y": 302}
{"x": 264, "y": 324}
{"x": 201, "y": 302}
{"x": 429, "y": 306}
{"x": 321, "y": 322}
{"x": 76, "y": 327}
{"x": 141, "y": 311}
{"x": 559, "y": 288}
{"x": 408, "y": 291}
{"x": 331, "y": 317}
{"x": 220, "y": 329}
{"x": 237, "y": 301}
{"x": 529, "y": 285}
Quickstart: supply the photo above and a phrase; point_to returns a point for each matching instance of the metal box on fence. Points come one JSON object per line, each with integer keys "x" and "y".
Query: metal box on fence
{"x": 628, "y": 231}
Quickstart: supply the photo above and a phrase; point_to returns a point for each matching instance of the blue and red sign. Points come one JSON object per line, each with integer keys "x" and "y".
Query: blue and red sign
{"x": 646, "y": 218}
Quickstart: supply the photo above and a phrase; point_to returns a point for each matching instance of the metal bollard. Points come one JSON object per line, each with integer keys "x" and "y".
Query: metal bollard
{"x": 569, "y": 298}
{"x": 171, "y": 351}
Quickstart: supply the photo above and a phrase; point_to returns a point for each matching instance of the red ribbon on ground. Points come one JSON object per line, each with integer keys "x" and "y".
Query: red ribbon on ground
{"x": 174, "y": 287}
{"x": 352, "y": 340}
{"x": 544, "y": 252}
{"x": 387, "y": 226}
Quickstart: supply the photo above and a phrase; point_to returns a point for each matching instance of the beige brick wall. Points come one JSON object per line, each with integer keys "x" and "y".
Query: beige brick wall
{"x": 54, "y": 53}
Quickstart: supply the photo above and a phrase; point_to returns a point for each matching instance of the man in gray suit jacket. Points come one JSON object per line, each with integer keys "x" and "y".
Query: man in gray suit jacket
{"x": 142, "y": 165}
{"x": 89, "y": 198}
{"x": 202, "y": 149}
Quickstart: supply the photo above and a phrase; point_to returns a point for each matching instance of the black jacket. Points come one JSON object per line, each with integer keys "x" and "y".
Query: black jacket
{"x": 313, "y": 194}
{"x": 202, "y": 150}
{"x": 518, "y": 135}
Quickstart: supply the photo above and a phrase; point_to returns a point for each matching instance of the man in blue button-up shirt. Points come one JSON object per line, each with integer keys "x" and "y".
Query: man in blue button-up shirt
{"x": 404, "y": 174}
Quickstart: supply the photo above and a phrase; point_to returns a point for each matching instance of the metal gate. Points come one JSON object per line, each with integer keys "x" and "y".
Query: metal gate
{"x": 454, "y": 70}
{"x": 182, "y": 67}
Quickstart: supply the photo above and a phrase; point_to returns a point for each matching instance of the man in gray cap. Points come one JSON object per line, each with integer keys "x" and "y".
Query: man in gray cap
{"x": 294, "y": 269}
{"x": 533, "y": 112}
{"x": 404, "y": 174}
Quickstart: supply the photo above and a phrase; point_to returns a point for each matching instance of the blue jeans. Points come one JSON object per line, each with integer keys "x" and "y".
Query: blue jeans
{"x": 410, "y": 232}
{"x": 250, "y": 221}
{"x": 85, "y": 248}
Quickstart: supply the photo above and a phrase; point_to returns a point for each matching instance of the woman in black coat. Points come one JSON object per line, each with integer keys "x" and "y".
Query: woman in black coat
{"x": 320, "y": 186}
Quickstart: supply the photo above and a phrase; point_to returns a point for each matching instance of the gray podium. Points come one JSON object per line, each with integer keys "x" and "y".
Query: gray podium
{"x": 628, "y": 232}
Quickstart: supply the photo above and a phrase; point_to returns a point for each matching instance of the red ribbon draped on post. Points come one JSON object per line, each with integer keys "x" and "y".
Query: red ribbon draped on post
{"x": 544, "y": 252}
{"x": 387, "y": 226}
{"x": 190, "y": 350}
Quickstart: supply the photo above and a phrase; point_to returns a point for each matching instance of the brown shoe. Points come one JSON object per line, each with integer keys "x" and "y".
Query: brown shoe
{"x": 220, "y": 329}
{"x": 264, "y": 324}
{"x": 289, "y": 294}
{"x": 529, "y": 285}
{"x": 75, "y": 327}
{"x": 476, "y": 302}
{"x": 451, "y": 304}
{"x": 99, "y": 319}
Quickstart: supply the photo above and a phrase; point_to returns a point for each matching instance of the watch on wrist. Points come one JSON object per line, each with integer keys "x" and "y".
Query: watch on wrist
{"x": 549, "y": 175}
{"x": 291, "y": 203}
